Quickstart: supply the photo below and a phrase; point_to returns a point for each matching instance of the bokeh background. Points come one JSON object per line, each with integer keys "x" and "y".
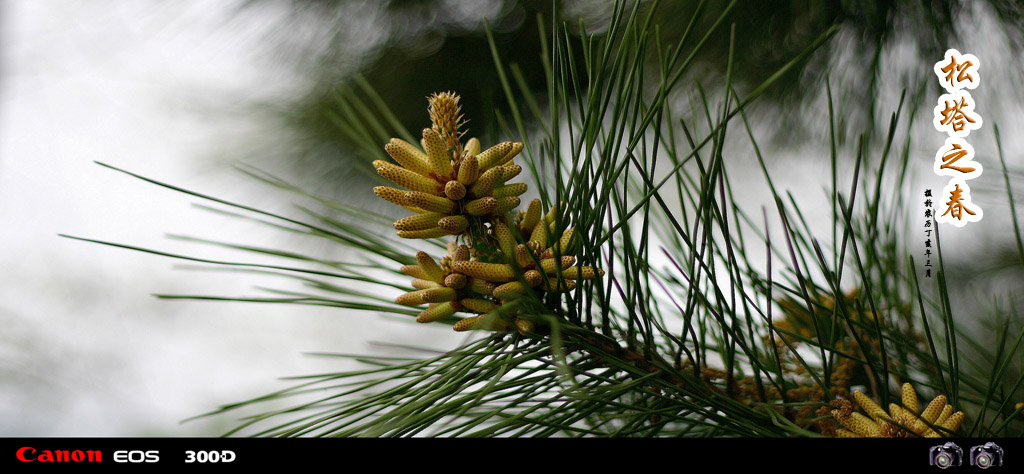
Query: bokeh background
{"x": 182, "y": 91}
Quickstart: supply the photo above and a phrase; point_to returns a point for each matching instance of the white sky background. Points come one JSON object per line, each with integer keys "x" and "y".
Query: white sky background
{"x": 160, "y": 89}
{"x": 164, "y": 89}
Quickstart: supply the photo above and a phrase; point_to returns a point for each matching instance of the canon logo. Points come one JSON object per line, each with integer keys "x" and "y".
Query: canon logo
{"x": 30, "y": 454}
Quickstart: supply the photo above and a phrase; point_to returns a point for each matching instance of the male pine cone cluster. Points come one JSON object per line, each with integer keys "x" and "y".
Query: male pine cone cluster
{"x": 459, "y": 190}
{"x": 900, "y": 421}
{"x": 449, "y": 185}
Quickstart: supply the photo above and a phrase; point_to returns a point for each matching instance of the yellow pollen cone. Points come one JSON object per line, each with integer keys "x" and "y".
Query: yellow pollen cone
{"x": 505, "y": 204}
{"x": 564, "y": 244}
{"x": 437, "y": 151}
{"x": 461, "y": 253}
{"x": 567, "y": 285}
{"x": 531, "y": 218}
{"x": 481, "y": 207}
{"x": 428, "y": 202}
{"x": 410, "y": 299}
{"x": 953, "y": 422}
{"x": 486, "y": 271}
{"x": 550, "y": 265}
{"x": 550, "y": 216}
{"x": 870, "y": 407}
{"x": 540, "y": 235}
{"x": 438, "y": 311}
{"x": 392, "y": 195}
{"x": 524, "y": 326}
{"x": 481, "y": 323}
{"x": 454, "y": 190}
{"x": 438, "y": 295}
{"x": 506, "y": 241}
{"x": 582, "y": 273}
{"x": 932, "y": 411}
{"x": 909, "y": 397}
{"x": 477, "y": 305}
{"x": 511, "y": 171}
{"x": 422, "y": 284}
{"x": 423, "y": 234}
{"x": 510, "y": 290}
{"x": 514, "y": 189}
{"x": 485, "y": 184}
{"x": 408, "y": 156}
{"x": 481, "y": 287}
{"x": 407, "y": 179}
{"x": 453, "y": 224}
{"x": 491, "y": 156}
{"x": 469, "y": 171}
{"x": 472, "y": 147}
{"x": 533, "y": 277}
{"x": 858, "y": 423}
{"x": 430, "y": 267}
{"x": 429, "y": 295}
{"x": 523, "y": 257}
{"x": 512, "y": 153}
{"x": 466, "y": 324}
{"x": 414, "y": 271}
{"x": 944, "y": 415}
{"x": 456, "y": 281}
{"x": 418, "y": 222}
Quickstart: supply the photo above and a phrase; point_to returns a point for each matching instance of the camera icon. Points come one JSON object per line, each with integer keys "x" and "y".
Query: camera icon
{"x": 946, "y": 455}
{"x": 987, "y": 455}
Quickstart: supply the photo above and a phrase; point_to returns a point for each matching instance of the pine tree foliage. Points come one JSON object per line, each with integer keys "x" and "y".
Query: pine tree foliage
{"x": 684, "y": 334}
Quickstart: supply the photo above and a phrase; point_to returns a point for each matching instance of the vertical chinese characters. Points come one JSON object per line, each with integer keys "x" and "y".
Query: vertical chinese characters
{"x": 954, "y": 115}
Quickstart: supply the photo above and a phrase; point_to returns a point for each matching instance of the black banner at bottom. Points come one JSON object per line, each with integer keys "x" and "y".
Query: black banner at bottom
{"x": 794, "y": 455}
